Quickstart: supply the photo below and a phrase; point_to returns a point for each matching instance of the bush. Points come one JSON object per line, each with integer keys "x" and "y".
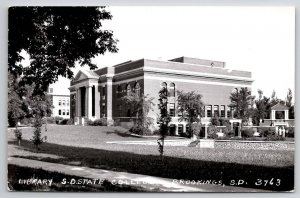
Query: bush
{"x": 50, "y": 120}
{"x": 140, "y": 130}
{"x": 247, "y": 133}
{"x": 66, "y": 122}
{"x": 97, "y": 122}
{"x": 275, "y": 138}
{"x": 196, "y": 128}
{"x": 18, "y": 134}
{"x": 290, "y": 132}
{"x": 212, "y": 132}
{"x": 58, "y": 119}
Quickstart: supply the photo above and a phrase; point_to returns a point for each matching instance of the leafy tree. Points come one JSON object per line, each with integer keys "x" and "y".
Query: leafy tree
{"x": 55, "y": 39}
{"x": 140, "y": 106}
{"x": 242, "y": 102}
{"x": 15, "y": 103}
{"x": 288, "y": 103}
{"x": 190, "y": 108}
{"x": 39, "y": 107}
{"x": 163, "y": 120}
{"x": 261, "y": 108}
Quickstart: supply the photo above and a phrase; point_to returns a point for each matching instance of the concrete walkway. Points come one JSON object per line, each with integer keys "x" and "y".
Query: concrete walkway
{"x": 144, "y": 181}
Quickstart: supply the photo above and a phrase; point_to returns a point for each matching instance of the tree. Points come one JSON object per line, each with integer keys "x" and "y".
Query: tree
{"x": 140, "y": 105}
{"x": 261, "y": 108}
{"x": 15, "y": 103}
{"x": 39, "y": 107}
{"x": 190, "y": 108}
{"x": 288, "y": 103}
{"x": 55, "y": 39}
{"x": 163, "y": 120}
{"x": 242, "y": 102}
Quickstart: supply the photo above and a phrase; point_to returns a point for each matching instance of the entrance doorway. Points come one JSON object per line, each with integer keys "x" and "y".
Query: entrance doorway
{"x": 236, "y": 129}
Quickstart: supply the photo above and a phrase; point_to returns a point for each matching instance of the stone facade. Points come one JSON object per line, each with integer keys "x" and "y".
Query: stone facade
{"x": 96, "y": 94}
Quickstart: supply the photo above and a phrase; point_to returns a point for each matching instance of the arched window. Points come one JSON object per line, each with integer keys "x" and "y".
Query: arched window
{"x": 128, "y": 89}
{"x": 172, "y": 90}
{"x": 163, "y": 84}
{"x": 137, "y": 89}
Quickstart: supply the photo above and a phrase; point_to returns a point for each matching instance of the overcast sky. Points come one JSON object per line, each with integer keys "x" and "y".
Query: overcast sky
{"x": 256, "y": 39}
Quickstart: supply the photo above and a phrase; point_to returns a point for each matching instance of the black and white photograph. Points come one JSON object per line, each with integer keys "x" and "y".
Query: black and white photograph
{"x": 151, "y": 99}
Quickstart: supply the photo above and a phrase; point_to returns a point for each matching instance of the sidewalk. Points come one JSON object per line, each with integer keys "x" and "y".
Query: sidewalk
{"x": 147, "y": 182}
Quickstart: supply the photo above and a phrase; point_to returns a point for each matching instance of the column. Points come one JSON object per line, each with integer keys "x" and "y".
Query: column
{"x": 273, "y": 115}
{"x": 78, "y": 102}
{"x": 109, "y": 102}
{"x": 286, "y": 114}
{"x": 88, "y": 101}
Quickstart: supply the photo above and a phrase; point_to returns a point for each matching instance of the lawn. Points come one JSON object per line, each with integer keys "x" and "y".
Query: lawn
{"x": 17, "y": 173}
{"x": 86, "y": 146}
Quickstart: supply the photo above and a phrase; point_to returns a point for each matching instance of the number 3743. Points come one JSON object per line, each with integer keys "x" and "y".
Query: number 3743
{"x": 268, "y": 182}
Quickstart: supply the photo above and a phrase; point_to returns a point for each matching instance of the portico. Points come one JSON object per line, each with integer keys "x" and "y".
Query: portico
{"x": 84, "y": 92}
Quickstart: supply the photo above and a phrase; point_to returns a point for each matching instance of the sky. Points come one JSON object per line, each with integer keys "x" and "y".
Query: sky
{"x": 256, "y": 39}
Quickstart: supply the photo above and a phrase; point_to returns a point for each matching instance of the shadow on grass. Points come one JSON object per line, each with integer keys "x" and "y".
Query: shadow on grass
{"x": 17, "y": 173}
{"x": 122, "y": 134}
{"x": 172, "y": 167}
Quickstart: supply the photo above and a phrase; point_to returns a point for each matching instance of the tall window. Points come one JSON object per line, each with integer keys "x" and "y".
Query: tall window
{"x": 208, "y": 111}
{"x": 64, "y": 112}
{"x": 172, "y": 109}
{"x": 229, "y": 112}
{"x": 180, "y": 128}
{"x": 68, "y": 102}
{"x": 103, "y": 91}
{"x": 223, "y": 111}
{"x": 216, "y": 110}
{"x": 137, "y": 89}
{"x": 68, "y": 112}
{"x": 128, "y": 89}
{"x": 119, "y": 90}
{"x": 59, "y": 102}
{"x": 59, "y": 112}
{"x": 64, "y": 102}
{"x": 164, "y": 84}
{"x": 172, "y": 90}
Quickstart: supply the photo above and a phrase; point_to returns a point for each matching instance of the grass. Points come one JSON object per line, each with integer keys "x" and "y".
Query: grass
{"x": 15, "y": 173}
{"x": 86, "y": 146}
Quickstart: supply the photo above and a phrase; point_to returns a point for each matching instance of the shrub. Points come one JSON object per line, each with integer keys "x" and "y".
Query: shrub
{"x": 97, "y": 122}
{"x": 275, "y": 138}
{"x": 290, "y": 131}
{"x": 247, "y": 133}
{"x": 212, "y": 132}
{"x": 66, "y": 122}
{"x": 196, "y": 128}
{"x": 18, "y": 135}
{"x": 50, "y": 120}
{"x": 58, "y": 119}
{"x": 140, "y": 130}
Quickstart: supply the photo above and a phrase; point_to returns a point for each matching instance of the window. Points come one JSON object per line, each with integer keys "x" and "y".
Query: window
{"x": 59, "y": 112}
{"x": 163, "y": 84}
{"x": 172, "y": 109}
{"x": 223, "y": 111}
{"x": 208, "y": 111}
{"x": 64, "y": 112}
{"x": 59, "y": 102}
{"x": 128, "y": 89}
{"x": 137, "y": 89}
{"x": 68, "y": 102}
{"x": 216, "y": 110}
{"x": 172, "y": 90}
{"x": 119, "y": 90}
{"x": 50, "y": 90}
{"x": 64, "y": 103}
{"x": 103, "y": 110}
{"x": 229, "y": 112}
{"x": 180, "y": 128}
{"x": 103, "y": 91}
{"x": 68, "y": 112}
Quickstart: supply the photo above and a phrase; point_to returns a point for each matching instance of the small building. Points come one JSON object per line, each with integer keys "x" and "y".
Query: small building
{"x": 60, "y": 102}
{"x": 96, "y": 94}
{"x": 279, "y": 118}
